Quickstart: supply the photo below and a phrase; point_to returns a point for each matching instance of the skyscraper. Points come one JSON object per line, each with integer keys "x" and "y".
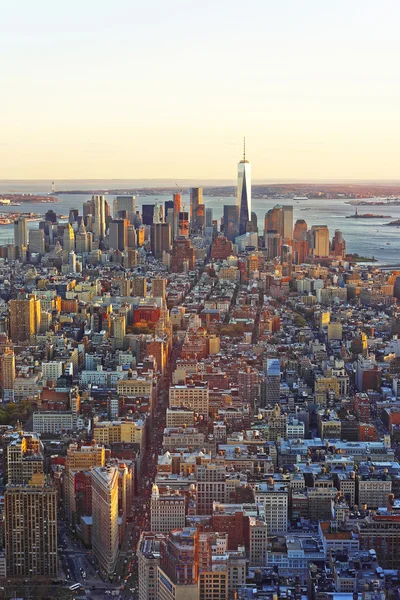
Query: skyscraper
{"x": 244, "y": 193}
{"x": 118, "y": 234}
{"x": 20, "y": 232}
{"x": 147, "y": 214}
{"x": 68, "y": 239}
{"x": 287, "y": 222}
{"x": 183, "y": 259}
{"x": 338, "y": 244}
{"x": 272, "y": 381}
{"x": 177, "y": 210}
{"x": 320, "y": 240}
{"x": 274, "y": 219}
{"x": 300, "y": 241}
{"x": 125, "y": 204}
{"x": 160, "y": 239}
{"x": 30, "y": 519}
{"x": 36, "y": 241}
{"x": 209, "y": 217}
{"x": 81, "y": 240}
{"x": 105, "y": 517}
{"x": 196, "y": 200}
{"x": 24, "y": 318}
{"x": 99, "y": 217}
{"x": 7, "y": 375}
{"x": 183, "y": 224}
{"x": 231, "y": 221}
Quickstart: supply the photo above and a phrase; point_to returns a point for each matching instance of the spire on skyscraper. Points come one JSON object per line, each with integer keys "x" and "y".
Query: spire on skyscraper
{"x": 244, "y": 192}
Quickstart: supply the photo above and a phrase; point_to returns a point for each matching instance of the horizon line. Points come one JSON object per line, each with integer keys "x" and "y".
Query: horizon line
{"x": 190, "y": 179}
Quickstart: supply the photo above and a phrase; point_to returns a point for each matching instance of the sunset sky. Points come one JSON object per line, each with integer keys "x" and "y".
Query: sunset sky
{"x": 168, "y": 88}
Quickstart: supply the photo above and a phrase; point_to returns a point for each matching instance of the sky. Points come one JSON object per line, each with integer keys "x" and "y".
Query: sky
{"x": 168, "y": 88}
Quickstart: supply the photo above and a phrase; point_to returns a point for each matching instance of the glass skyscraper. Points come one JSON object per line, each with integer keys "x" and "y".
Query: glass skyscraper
{"x": 244, "y": 193}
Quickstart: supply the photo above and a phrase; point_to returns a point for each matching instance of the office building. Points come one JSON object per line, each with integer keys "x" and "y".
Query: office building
{"x": 149, "y": 553}
{"x": 274, "y": 220}
{"x": 221, "y": 248}
{"x": 273, "y": 243}
{"x": 168, "y": 208}
{"x": 194, "y": 396}
{"x": 118, "y": 234}
{"x": 36, "y": 241}
{"x": 167, "y": 511}
{"x": 272, "y": 381}
{"x": 231, "y": 221}
{"x": 30, "y": 529}
{"x": 178, "y": 572}
{"x": 20, "y": 233}
{"x": 82, "y": 240}
{"x": 99, "y": 204}
{"x": 72, "y": 262}
{"x": 160, "y": 239}
{"x": 209, "y": 217}
{"x": 300, "y": 241}
{"x": 80, "y": 459}
{"x": 320, "y": 240}
{"x": 114, "y": 432}
{"x": 24, "y": 318}
{"x": 177, "y": 202}
{"x": 132, "y": 242}
{"x": 287, "y": 223}
{"x": 300, "y": 230}
{"x": 244, "y": 193}
{"x": 338, "y": 244}
{"x": 148, "y": 214}
{"x": 183, "y": 259}
{"x": 105, "y": 518}
{"x": 381, "y": 532}
{"x": 119, "y": 326}
{"x": 24, "y": 458}
{"x": 124, "y": 207}
{"x": 158, "y": 216}
{"x": 211, "y": 486}
{"x": 7, "y": 375}
{"x": 274, "y": 498}
{"x": 85, "y": 457}
{"x": 68, "y": 239}
{"x": 196, "y": 209}
{"x": 258, "y": 542}
{"x": 183, "y": 225}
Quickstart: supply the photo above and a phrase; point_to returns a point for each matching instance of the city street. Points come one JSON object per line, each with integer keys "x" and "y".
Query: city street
{"x": 77, "y": 562}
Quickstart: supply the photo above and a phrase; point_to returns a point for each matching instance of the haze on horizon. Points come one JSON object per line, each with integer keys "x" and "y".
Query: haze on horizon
{"x": 156, "y": 90}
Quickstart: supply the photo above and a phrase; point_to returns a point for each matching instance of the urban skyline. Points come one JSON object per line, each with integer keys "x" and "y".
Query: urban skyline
{"x": 200, "y": 385}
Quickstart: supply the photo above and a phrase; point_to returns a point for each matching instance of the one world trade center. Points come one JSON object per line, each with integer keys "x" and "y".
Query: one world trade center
{"x": 244, "y": 193}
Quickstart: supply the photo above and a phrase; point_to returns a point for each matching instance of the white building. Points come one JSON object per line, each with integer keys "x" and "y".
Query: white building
{"x": 52, "y": 370}
{"x": 167, "y": 511}
{"x": 53, "y": 422}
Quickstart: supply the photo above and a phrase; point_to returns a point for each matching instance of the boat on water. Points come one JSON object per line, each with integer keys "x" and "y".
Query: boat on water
{"x": 300, "y": 198}
{"x": 367, "y": 216}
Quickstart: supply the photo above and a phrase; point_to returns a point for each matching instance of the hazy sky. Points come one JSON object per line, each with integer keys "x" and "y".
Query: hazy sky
{"x": 168, "y": 88}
